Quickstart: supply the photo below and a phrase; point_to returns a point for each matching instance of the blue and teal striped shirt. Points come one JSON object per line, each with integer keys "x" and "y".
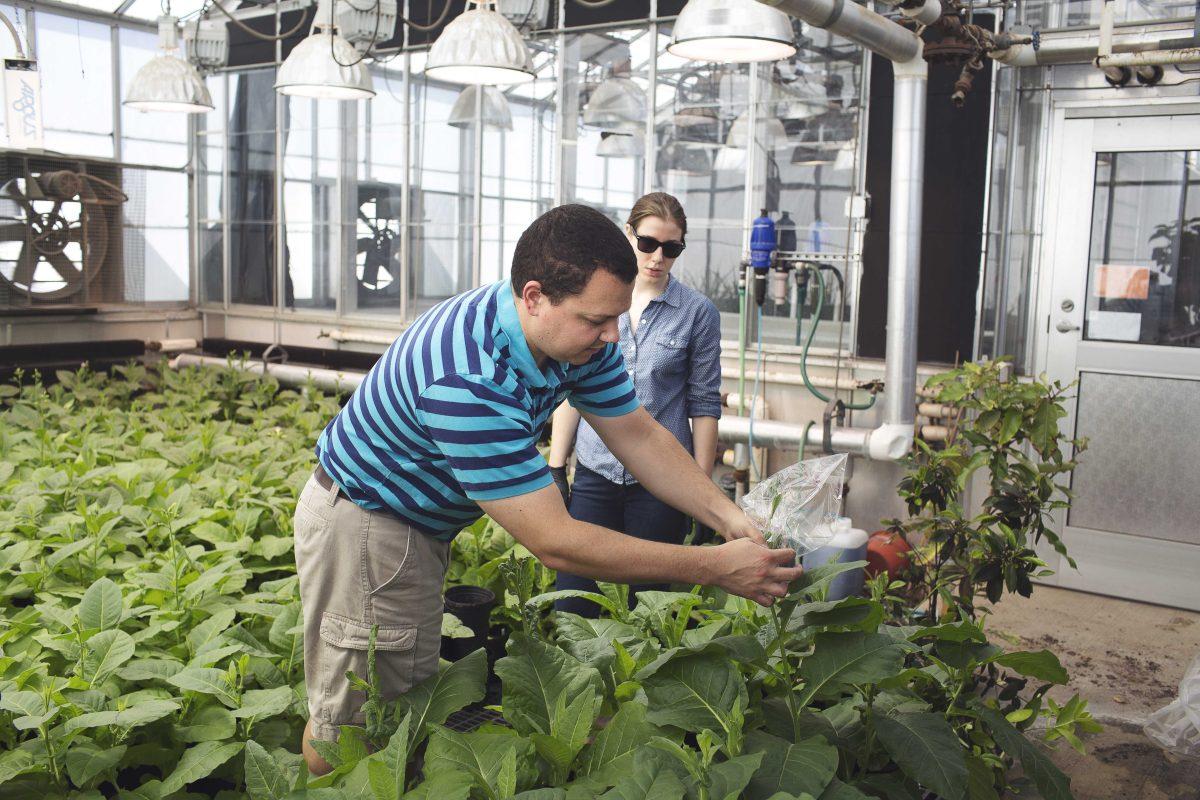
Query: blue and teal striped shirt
{"x": 451, "y": 413}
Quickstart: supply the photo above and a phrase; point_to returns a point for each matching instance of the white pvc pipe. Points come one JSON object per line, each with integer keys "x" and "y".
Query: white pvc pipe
{"x": 339, "y": 335}
{"x": 1074, "y": 49}
{"x": 1187, "y": 55}
{"x": 287, "y": 374}
{"x": 171, "y": 345}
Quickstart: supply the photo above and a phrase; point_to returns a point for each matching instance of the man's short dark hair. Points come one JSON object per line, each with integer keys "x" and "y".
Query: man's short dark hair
{"x": 564, "y": 246}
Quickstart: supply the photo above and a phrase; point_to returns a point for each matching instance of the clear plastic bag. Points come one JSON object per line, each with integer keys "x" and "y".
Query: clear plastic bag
{"x": 796, "y": 507}
{"x": 1176, "y": 726}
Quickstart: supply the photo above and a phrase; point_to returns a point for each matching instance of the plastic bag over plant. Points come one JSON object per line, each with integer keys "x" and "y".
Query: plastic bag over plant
{"x": 796, "y": 506}
{"x": 1176, "y": 726}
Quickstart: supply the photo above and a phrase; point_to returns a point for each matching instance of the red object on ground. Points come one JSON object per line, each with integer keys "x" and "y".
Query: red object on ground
{"x": 886, "y": 551}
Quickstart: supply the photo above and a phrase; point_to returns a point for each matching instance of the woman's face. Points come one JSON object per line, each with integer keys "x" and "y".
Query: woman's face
{"x": 654, "y": 266}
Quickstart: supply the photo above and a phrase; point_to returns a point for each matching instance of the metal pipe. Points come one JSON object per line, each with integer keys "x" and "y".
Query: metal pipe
{"x": 904, "y": 240}
{"x": 339, "y": 335}
{"x": 789, "y": 436}
{"x": 1187, "y": 55}
{"x": 171, "y": 345}
{"x": 856, "y": 23}
{"x": 1079, "y": 49}
{"x": 287, "y": 374}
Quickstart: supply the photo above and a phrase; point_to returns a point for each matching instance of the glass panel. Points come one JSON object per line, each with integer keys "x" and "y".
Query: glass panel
{"x": 605, "y": 114}
{"x": 148, "y": 137}
{"x": 251, "y": 154}
{"x": 696, "y": 105}
{"x": 210, "y": 194}
{"x": 1071, "y": 13}
{"x": 77, "y": 91}
{"x": 1144, "y": 269}
{"x": 156, "y": 234}
{"x": 442, "y": 185}
{"x": 311, "y": 153}
{"x": 518, "y": 163}
{"x": 808, "y": 138}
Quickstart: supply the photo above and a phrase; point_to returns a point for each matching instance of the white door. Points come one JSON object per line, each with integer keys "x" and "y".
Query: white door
{"x": 1119, "y": 311}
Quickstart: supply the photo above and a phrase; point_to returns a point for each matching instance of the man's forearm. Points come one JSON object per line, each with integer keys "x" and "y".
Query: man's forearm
{"x": 605, "y": 555}
{"x": 670, "y": 473}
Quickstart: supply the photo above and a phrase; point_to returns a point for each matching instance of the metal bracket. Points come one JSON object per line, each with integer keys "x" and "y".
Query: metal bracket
{"x": 835, "y": 409}
{"x": 274, "y": 354}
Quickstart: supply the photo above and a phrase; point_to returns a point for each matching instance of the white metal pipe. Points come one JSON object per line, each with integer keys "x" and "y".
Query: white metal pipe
{"x": 339, "y": 335}
{"x": 856, "y": 23}
{"x": 1104, "y": 48}
{"x": 794, "y": 379}
{"x": 926, "y": 13}
{"x": 171, "y": 345}
{"x": 1186, "y": 55}
{"x": 904, "y": 240}
{"x": 287, "y": 374}
{"x": 879, "y": 443}
{"x": 1079, "y": 49}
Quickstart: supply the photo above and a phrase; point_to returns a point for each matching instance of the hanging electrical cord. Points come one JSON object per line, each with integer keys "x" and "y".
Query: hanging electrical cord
{"x": 374, "y": 33}
{"x": 265, "y": 37}
{"x": 15, "y": 36}
{"x": 817, "y": 393}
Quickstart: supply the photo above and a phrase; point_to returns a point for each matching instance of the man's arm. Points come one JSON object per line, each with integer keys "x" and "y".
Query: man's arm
{"x": 659, "y": 462}
{"x": 539, "y": 521}
{"x": 704, "y": 443}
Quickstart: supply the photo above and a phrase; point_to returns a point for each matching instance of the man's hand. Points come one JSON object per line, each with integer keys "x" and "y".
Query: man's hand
{"x": 739, "y": 526}
{"x": 755, "y": 572}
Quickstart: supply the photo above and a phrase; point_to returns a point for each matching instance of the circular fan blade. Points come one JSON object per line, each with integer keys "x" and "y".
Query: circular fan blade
{"x": 68, "y": 271}
{"x": 26, "y": 264}
{"x": 13, "y": 231}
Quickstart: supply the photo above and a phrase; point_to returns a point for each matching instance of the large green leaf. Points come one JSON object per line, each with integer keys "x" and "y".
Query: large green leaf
{"x": 432, "y": 701}
{"x": 1042, "y": 665}
{"x": 104, "y": 653}
{"x": 101, "y": 606}
{"x": 265, "y": 779}
{"x": 806, "y": 766}
{"x": 211, "y": 723}
{"x": 842, "y": 791}
{"x": 534, "y": 675}
{"x": 198, "y": 762}
{"x": 206, "y": 680}
{"x": 263, "y": 703}
{"x": 480, "y": 755}
{"x": 14, "y": 763}
{"x": 85, "y": 761}
{"x": 443, "y": 786}
{"x": 927, "y": 749}
{"x": 137, "y": 714}
{"x": 612, "y": 751}
{"x": 854, "y": 657}
{"x": 1052, "y": 784}
{"x": 727, "y": 779}
{"x": 695, "y": 692}
{"x": 647, "y": 777}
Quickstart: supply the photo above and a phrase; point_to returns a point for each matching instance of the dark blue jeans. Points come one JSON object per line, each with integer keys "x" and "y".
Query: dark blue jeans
{"x": 628, "y": 509}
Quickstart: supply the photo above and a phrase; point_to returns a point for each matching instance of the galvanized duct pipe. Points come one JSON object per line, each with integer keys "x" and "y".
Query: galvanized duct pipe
{"x": 857, "y": 23}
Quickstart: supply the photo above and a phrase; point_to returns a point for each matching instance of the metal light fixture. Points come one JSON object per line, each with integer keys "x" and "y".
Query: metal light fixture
{"x": 496, "y": 113}
{"x": 732, "y": 31}
{"x": 325, "y": 65}
{"x": 480, "y": 46}
{"x": 617, "y": 145}
{"x": 167, "y": 82}
{"x": 686, "y": 159}
{"x": 773, "y": 133}
{"x": 617, "y": 104}
{"x": 695, "y": 116}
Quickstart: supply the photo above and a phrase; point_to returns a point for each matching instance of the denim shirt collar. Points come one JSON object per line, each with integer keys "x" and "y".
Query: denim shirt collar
{"x": 518, "y": 347}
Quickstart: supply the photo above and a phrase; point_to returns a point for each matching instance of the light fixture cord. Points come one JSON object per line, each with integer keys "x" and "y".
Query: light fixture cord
{"x": 265, "y": 37}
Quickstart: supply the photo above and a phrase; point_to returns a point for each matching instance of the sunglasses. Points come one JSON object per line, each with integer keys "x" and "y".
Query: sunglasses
{"x": 648, "y": 244}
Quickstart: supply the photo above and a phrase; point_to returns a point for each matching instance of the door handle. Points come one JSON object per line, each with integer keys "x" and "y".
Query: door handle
{"x": 1066, "y": 326}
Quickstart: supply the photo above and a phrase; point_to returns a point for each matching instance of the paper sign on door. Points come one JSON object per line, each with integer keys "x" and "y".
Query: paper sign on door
{"x": 1118, "y": 282}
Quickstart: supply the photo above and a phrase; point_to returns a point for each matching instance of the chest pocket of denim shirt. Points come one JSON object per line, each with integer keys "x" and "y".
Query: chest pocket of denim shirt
{"x": 670, "y": 354}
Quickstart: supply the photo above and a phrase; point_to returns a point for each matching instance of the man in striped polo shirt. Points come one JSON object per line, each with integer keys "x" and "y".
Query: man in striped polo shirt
{"x": 444, "y": 428}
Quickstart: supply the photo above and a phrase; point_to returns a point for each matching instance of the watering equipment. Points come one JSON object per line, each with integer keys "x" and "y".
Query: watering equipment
{"x": 762, "y": 248}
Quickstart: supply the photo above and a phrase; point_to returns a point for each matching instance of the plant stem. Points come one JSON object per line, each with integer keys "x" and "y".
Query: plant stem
{"x": 789, "y": 696}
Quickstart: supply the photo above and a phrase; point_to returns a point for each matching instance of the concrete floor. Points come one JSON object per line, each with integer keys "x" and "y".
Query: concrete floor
{"x": 1126, "y": 659}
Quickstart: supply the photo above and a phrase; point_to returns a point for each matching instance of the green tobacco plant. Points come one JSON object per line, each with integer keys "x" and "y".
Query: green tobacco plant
{"x": 1010, "y": 430}
{"x": 149, "y": 613}
{"x": 813, "y": 699}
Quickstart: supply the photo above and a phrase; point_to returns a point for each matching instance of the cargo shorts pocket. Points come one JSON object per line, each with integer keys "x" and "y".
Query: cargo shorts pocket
{"x": 344, "y": 644}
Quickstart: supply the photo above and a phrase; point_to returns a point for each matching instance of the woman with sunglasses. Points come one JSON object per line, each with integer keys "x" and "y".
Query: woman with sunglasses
{"x": 671, "y": 342}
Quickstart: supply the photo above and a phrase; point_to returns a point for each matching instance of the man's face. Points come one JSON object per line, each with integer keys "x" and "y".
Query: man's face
{"x": 580, "y": 325}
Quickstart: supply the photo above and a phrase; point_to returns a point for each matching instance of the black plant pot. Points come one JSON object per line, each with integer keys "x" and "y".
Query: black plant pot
{"x": 473, "y": 606}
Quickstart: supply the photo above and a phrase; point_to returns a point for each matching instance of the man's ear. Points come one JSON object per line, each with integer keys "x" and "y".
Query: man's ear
{"x": 533, "y": 297}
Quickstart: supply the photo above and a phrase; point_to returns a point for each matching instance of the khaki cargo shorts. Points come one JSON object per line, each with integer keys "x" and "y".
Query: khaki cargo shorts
{"x": 360, "y": 568}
